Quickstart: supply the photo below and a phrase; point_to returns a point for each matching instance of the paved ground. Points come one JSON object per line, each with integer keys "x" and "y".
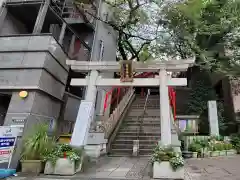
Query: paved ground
{"x": 125, "y": 168}
{"x": 219, "y": 168}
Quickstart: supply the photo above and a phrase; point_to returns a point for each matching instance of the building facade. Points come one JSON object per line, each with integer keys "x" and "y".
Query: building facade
{"x": 36, "y": 38}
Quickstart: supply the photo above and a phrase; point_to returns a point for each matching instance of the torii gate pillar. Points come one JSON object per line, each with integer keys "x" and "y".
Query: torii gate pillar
{"x": 91, "y": 87}
{"x": 166, "y": 135}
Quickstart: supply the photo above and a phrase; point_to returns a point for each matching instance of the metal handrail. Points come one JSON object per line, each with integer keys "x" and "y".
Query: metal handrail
{"x": 142, "y": 115}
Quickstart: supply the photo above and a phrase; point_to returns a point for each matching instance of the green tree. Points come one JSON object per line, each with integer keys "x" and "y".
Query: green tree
{"x": 208, "y": 29}
{"x": 136, "y": 22}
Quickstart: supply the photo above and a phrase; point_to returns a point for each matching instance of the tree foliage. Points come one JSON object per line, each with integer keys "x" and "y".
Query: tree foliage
{"x": 209, "y": 29}
{"x": 136, "y": 22}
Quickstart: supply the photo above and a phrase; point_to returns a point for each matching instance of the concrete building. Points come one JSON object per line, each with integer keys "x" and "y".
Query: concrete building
{"x": 36, "y": 38}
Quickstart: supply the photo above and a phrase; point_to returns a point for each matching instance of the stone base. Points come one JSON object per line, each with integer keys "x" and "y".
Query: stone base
{"x": 32, "y": 166}
{"x": 164, "y": 171}
{"x": 96, "y": 150}
{"x": 215, "y": 153}
{"x": 135, "y": 147}
{"x": 222, "y": 153}
{"x": 231, "y": 152}
{"x": 63, "y": 166}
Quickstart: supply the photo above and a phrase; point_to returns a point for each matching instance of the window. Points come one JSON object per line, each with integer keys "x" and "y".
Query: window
{"x": 101, "y": 50}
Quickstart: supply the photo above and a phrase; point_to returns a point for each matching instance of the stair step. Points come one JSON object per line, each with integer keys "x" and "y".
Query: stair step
{"x": 122, "y": 146}
{"x": 122, "y": 151}
{"x": 143, "y": 120}
{"x": 157, "y": 127}
{"x": 146, "y": 117}
{"x": 119, "y": 137}
{"x": 127, "y": 133}
{"x": 130, "y": 146}
{"x": 141, "y": 141}
{"x": 144, "y": 123}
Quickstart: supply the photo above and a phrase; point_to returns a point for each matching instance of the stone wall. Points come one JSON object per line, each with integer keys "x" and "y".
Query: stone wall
{"x": 182, "y": 96}
{"x": 36, "y": 64}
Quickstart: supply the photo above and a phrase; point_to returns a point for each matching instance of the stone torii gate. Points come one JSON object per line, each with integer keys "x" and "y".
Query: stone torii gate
{"x": 93, "y": 80}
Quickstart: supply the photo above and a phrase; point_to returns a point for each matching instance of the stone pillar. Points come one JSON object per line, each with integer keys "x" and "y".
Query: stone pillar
{"x": 91, "y": 87}
{"x": 86, "y": 113}
{"x": 3, "y": 11}
{"x": 61, "y": 36}
{"x": 41, "y": 17}
{"x": 213, "y": 118}
{"x": 72, "y": 45}
{"x": 164, "y": 109}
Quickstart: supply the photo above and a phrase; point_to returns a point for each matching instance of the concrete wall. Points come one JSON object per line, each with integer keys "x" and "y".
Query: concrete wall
{"x": 37, "y": 65}
{"x": 12, "y": 26}
{"x": 71, "y": 107}
{"x": 68, "y": 114}
{"x": 108, "y": 36}
{"x": 47, "y": 69}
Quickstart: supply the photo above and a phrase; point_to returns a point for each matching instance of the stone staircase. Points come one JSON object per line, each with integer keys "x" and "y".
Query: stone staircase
{"x": 150, "y": 131}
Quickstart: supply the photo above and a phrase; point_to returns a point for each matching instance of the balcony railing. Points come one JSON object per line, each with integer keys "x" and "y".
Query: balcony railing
{"x": 70, "y": 9}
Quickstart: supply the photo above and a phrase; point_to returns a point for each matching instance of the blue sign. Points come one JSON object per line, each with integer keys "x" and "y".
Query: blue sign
{"x": 6, "y": 142}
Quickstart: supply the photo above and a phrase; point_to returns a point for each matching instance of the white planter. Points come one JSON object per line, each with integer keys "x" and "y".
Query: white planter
{"x": 195, "y": 154}
{"x": 164, "y": 170}
{"x": 231, "y": 152}
{"x": 222, "y": 153}
{"x": 215, "y": 153}
{"x": 63, "y": 166}
{"x": 206, "y": 154}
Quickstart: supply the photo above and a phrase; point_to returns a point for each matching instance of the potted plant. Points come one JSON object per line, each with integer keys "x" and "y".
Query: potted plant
{"x": 204, "y": 150}
{"x": 230, "y": 150}
{"x": 167, "y": 163}
{"x": 35, "y": 145}
{"x": 235, "y": 141}
{"x": 63, "y": 160}
{"x": 195, "y": 148}
{"x": 221, "y": 148}
{"x": 214, "y": 150}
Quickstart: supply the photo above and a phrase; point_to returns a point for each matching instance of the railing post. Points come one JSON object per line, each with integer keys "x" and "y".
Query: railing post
{"x": 41, "y": 17}
{"x": 61, "y": 36}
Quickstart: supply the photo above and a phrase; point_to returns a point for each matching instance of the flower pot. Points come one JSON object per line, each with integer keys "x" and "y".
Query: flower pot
{"x": 222, "y": 153}
{"x": 206, "y": 153}
{"x": 195, "y": 154}
{"x": 215, "y": 153}
{"x": 63, "y": 166}
{"x": 209, "y": 153}
{"x": 163, "y": 170}
{"x": 32, "y": 166}
{"x": 187, "y": 154}
{"x": 231, "y": 152}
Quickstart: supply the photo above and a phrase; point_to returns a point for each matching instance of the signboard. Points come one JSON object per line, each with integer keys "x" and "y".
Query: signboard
{"x": 6, "y": 148}
{"x": 8, "y": 138}
{"x": 126, "y": 70}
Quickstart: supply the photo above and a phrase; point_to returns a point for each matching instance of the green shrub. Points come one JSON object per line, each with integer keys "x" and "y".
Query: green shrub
{"x": 64, "y": 151}
{"x": 166, "y": 153}
{"x": 37, "y": 143}
{"x": 195, "y": 147}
